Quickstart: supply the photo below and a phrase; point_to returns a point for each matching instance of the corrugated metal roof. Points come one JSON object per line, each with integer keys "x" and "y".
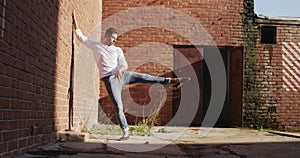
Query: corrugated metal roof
{"x": 278, "y": 17}
{"x": 277, "y": 20}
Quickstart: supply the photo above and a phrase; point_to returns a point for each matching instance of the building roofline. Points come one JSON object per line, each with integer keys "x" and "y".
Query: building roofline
{"x": 261, "y": 19}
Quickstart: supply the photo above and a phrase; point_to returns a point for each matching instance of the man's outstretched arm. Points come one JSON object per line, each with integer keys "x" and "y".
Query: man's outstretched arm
{"x": 79, "y": 34}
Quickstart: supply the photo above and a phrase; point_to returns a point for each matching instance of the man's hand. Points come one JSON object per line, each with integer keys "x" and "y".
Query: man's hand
{"x": 119, "y": 73}
{"x": 75, "y": 21}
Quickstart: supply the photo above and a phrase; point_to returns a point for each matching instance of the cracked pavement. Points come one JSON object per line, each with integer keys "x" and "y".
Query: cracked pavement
{"x": 178, "y": 142}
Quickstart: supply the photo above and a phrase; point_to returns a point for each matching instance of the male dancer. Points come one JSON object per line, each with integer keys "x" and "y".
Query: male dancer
{"x": 112, "y": 67}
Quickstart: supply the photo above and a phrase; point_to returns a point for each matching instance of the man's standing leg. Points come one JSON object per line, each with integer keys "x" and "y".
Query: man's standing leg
{"x": 114, "y": 89}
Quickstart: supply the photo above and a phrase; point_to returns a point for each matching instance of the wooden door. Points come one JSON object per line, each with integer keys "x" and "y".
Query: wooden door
{"x": 235, "y": 85}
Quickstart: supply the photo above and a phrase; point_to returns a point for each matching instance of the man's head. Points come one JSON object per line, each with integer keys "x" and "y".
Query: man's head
{"x": 111, "y": 36}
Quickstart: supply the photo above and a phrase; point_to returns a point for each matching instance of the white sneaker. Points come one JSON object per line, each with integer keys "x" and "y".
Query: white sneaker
{"x": 125, "y": 134}
{"x": 181, "y": 81}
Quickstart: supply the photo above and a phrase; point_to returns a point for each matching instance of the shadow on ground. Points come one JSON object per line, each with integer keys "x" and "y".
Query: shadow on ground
{"x": 219, "y": 142}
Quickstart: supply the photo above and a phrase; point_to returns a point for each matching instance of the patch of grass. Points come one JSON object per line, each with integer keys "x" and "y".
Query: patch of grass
{"x": 84, "y": 130}
{"x": 141, "y": 128}
{"x": 105, "y": 126}
{"x": 105, "y": 129}
{"x": 267, "y": 130}
{"x": 144, "y": 127}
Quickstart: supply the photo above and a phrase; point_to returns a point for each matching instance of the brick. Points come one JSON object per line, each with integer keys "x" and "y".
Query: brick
{"x": 3, "y": 147}
{"x": 11, "y": 135}
{"x": 12, "y": 145}
{"x": 7, "y": 114}
{"x": 22, "y": 143}
{"x": 4, "y": 103}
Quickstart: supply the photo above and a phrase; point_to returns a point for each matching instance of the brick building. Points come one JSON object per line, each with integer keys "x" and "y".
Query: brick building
{"x": 49, "y": 81}
{"x": 223, "y": 21}
{"x": 278, "y": 71}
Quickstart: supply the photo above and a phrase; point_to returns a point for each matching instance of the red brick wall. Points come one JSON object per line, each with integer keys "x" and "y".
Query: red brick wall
{"x": 279, "y": 77}
{"x": 35, "y": 52}
{"x": 221, "y": 18}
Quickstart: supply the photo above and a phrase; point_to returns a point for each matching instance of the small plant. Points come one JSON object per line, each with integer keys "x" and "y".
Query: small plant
{"x": 144, "y": 127}
{"x": 267, "y": 130}
{"x": 140, "y": 129}
{"x": 105, "y": 129}
{"x": 84, "y": 130}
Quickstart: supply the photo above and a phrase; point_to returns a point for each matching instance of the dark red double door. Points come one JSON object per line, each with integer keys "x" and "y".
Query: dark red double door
{"x": 231, "y": 114}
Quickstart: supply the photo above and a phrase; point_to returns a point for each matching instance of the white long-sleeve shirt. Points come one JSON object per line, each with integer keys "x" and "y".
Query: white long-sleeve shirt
{"x": 109, "y": 58}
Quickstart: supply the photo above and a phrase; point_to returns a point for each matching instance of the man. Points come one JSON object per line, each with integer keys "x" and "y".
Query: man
{"x": 112, "y": 68}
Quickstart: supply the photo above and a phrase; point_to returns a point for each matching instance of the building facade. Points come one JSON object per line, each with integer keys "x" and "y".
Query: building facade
{"x": 278, "y": 77}
{"x": 193, "y": 29}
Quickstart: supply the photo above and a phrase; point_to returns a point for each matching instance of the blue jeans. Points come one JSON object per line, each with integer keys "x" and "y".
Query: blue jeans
{"x": 114, "y": 89}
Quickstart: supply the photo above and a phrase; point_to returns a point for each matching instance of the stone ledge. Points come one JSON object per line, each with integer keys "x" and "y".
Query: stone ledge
{"x": 72, "y": 136}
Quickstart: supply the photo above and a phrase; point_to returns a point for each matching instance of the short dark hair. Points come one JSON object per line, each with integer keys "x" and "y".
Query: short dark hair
{"x": 111, "y": 31}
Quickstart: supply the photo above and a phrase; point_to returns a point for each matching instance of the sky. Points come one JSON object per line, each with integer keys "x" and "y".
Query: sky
{"x": 289, "y": 8}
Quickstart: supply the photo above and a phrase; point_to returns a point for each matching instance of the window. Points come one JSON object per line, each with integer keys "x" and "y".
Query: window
{"x": 268, "y": 34}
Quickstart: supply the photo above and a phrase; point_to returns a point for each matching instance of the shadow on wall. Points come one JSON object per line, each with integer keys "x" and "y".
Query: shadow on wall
{"x": 28, "y": 74}
{"x": 86, "y": 84}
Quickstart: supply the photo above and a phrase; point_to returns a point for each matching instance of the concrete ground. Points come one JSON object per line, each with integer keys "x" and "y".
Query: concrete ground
{"x": 178, "y": 142}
